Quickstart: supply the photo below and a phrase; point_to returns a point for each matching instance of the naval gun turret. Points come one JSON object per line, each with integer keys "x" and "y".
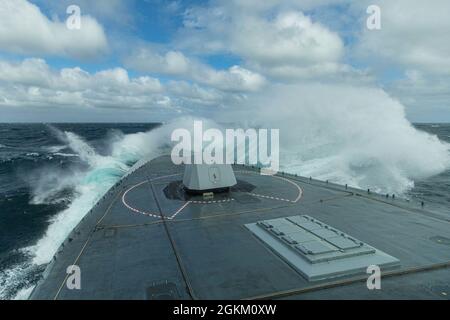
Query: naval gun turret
{"x": 202, "y": 178}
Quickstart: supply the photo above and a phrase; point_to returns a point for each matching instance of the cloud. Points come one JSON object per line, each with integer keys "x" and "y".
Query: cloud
{"x": 117, "y": 12}
{"x": 270, "y": 42}
{"x": 170, "y": 63}
{"x": 414, "y": 41}
{"x": 426, "y": 95}
{"x": 33, "y": 83}
{"x": 194, "y": 94}
{"x": 270, "y": 38}
{"x": 290, "y": 38}
{"x": 414, "y": 34}
{"x": 24, "y": 29}
{"x": 175, "y": 63}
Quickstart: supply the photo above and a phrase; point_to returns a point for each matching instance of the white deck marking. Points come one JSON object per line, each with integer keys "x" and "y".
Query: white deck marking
{"x": 132, "y": 208}
{"x": 300, "y": 191}
{"x": 149, "y": 214}
{"x": 179, "y": 210}
{"x": 269, "y": 197}
{"x": 215, "y": 201}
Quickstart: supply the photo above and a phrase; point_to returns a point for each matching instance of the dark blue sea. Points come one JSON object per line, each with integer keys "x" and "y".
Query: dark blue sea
{"x": 51, "y": 174}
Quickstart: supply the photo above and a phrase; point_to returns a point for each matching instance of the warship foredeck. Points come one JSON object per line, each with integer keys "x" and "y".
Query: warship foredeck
{"x": 146, "y": 240}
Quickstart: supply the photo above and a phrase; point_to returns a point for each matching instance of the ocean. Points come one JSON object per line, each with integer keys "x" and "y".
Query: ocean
{"x": 50, "y": 175}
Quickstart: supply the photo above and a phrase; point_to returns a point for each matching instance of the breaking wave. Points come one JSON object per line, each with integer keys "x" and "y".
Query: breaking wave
{"x": 87, "y": 185}
{"x": 352, "y": 135}
{"x": 359, "y": 136}
{"x": 55, "y": 149}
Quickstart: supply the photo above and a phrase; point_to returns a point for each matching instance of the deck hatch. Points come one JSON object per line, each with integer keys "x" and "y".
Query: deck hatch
{"x": 317, "y": 250}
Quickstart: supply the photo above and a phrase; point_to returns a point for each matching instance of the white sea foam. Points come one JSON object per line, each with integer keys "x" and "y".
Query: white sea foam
{"x": 91, "y": 184}
{"x": 54, "y": 149}
{"x": 14, "y": 281}
{"x": 23, "y": 294}
{"x": 88, "y": 186}
{"x": 346, "y": 134}
{"x": 65, "y": 155}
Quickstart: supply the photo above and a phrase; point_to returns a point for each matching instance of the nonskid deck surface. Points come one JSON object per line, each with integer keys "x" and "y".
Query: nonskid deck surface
{"x": 145, "y": 241}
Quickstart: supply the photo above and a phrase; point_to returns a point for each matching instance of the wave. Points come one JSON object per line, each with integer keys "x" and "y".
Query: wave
{"x": 55, "y": 149}
{"x": 352, "y": 135}
{"x": 87, "y": 186}
{"x": 17, "y": 281}
{"x": 32, "y": 154}
{"x": 65, "y": 155}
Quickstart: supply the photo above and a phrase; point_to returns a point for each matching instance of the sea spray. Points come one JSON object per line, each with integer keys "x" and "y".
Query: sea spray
{"x": 89, "y": 184}
{"x": 351, "y": 135}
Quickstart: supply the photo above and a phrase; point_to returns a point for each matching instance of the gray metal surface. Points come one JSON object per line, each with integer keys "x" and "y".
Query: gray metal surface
{"x": 139, "y": 242}
{"x": 200, "y": 177}
{"x": 316, "y": 250}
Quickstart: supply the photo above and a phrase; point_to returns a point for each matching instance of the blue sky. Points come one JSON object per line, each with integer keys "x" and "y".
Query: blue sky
{"x": 155, "y": 59}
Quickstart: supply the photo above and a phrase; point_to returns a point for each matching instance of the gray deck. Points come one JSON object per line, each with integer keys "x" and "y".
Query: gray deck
{"x": 203, "y": 250}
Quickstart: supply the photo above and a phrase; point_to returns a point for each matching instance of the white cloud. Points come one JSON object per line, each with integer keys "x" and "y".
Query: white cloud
{"x": 290, "y": 38}
{"x": 414, "y": 34}
{"x": 327, "y": 71}
{"x": 33, "y": 83}
{"x": 279, "y": 41}
{"x": 175, "y": 63}
{"x": 275, "y": 42}
{"x": 170, "y": 63}
{"x": 193, "y": 97}
{"x": 427, "y": 96}
{"x": 24, "y": 29}
{"x": 414, "y": 41}
{"x": 117, "y": 12}
{"x": 195, "y": 94}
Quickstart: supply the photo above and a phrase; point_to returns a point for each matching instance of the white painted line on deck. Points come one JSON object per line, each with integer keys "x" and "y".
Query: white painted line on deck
{"x": 156, "y": 215}
{"x": 179, "y": 210}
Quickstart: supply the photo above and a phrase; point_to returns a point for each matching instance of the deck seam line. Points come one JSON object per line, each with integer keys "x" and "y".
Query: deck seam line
{"x": 87, "y": 241}
{"x": 174, "y": 248}
{"x": 346, "y": 282}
